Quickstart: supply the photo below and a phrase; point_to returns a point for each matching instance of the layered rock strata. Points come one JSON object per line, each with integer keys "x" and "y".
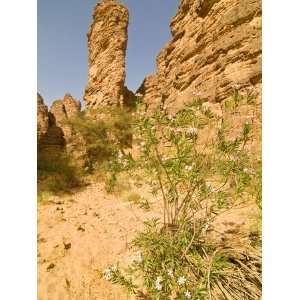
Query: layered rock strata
{"x": 215, "y": 47}
{"x": 107, "y": 43}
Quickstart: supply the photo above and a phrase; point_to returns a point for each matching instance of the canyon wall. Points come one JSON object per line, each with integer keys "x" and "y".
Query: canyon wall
{"x": 107, "y": 43}
{"x": 215, "y": 48}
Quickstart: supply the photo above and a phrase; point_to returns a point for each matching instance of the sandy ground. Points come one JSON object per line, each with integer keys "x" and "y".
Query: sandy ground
{"x": 78, "y": 236}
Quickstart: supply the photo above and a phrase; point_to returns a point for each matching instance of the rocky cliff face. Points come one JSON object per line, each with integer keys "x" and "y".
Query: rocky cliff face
{"x": 50, "y": 137}
{"x": 54, "y": 133}
{"x": 107, "y": 42}
{"x": 63, "y": 111}
{"x": 216, "y": 44}
{"x": 42, "y": 118}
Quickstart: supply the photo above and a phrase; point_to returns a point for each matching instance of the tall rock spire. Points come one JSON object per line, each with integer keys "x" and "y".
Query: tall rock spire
{"x": 107, "y": 43}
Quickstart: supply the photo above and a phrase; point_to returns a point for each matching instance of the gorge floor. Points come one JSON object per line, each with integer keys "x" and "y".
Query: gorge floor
{"x": 78, "y": 236}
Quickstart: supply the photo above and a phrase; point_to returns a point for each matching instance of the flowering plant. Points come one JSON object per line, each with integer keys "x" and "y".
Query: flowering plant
{"x": 198, "y": 165}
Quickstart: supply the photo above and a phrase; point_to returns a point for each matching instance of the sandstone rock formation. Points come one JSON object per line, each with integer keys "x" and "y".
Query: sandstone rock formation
{"x": 215, "y": 45}
{"x": 42, "y": 118}
{"x": 50, "y": 137}
{"x": 54, "y": 133}
{"x": 63, "y": 111}
{"x": 107, "y": 42}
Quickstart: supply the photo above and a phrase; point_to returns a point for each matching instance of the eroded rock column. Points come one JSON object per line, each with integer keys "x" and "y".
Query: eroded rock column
{"x": 107, "y": 42}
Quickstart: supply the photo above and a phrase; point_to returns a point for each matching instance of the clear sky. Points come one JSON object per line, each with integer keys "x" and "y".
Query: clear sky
{"x": 62, "y": 43}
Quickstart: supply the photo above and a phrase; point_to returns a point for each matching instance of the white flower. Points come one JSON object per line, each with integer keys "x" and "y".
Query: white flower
{"x": 232, "y": 158}
{"x": 107, "y": 274}
{"x": 181, "y": 280}
{"x": 248, "y": 171}
{"x": 188, "y": 168}
{"x": 192, "y": 131}
{"x": 206, "y": 226}
{"x": 211, "y": 188}
{"x": 120, "y": 154}
{"x": 197, "y": 93}
{"x": 236, "y": 87}
{"x": 139, "y": 257}
{"x": 170, "y": 273}
{"x": 158, "y": 284}
{"x": 170, "y": 117}
{"x": 188, "y": 295}
{"x": 142, "y": 144}
{"x": 164, "y": 158}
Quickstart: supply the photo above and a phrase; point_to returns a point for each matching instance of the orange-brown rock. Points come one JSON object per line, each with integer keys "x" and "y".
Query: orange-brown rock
{"x": 42, "y": 118}
{"x": 216, "y": 44}
{"x": 107, "y": 43}
{"x": 54, "y": 133}
{"x": 63, "y": 111}
{"x": 50, "y": 137}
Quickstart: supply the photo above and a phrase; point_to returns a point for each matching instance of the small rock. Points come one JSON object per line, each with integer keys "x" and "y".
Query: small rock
{"x": 50, "y": 267}
{"x": 67, "y": 245}
{"x": 68, "y": 283}
{"x": 80, "y": 228}
{"x": 42, "y": 240}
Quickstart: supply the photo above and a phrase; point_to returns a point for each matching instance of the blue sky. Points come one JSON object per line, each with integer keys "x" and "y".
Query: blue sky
{"x": 62, "y": 43}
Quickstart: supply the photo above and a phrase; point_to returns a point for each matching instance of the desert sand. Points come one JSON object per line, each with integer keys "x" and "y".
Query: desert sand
{"x": 78, "y": 236}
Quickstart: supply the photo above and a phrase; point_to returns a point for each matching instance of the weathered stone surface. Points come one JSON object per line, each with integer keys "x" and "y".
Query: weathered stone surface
{"x": 65, "y": 109}
{"x": 62, "y": 112}
{"x": 216, "y": 44}
{"x": 107, "y": 42}
{"x": 50, "y": 137}
{"x": 55, "y": 134}
{"x": 42, "y": 118}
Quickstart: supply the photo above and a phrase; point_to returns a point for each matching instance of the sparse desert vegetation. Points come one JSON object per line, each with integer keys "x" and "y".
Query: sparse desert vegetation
{"x": 197, "y": 179}
{"x": 157, "y": 194}
{"x": 196, "y": 165}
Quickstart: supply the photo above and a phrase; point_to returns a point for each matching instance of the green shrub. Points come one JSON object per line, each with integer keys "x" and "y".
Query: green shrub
{"x": 105, "y": 133}
{"x": 57, "y": 173}
{"x": 186, "y": 265}
{"x": 194, "y": 172}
